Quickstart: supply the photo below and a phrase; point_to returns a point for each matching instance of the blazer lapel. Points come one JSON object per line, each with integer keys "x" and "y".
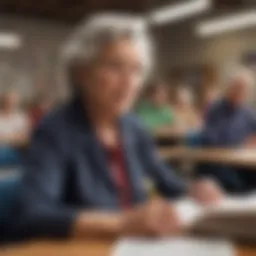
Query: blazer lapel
{"x": 133, "y": 168}
{"x": 100, "y": 162}
{"x": 92, "y": 147}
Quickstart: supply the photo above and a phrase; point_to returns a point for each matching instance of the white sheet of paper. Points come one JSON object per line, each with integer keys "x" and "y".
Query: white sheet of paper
{"x": 188, "y": 211}
{"x": 173, "y": 246}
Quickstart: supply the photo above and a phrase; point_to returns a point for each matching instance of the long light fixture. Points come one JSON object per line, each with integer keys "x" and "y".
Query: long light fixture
{"x": 228, "y": 23}
{"x": 9, "y": 41}
{"x": 175, "y": 12}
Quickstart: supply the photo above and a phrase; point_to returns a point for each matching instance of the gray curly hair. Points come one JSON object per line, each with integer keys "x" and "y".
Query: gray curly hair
{"x": 91, "y": 36}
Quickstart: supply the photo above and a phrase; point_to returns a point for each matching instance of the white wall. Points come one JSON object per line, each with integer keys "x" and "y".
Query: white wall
{"x": 34, "y": 63}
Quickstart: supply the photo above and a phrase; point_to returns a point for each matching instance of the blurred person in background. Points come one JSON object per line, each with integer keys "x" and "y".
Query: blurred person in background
{"x": 14, "y": 128}
{"x": 154, "y": 109}
{"x": 230, "y": 122}
{"x": 186, "y": 116}
{"x": 91, "y": 168}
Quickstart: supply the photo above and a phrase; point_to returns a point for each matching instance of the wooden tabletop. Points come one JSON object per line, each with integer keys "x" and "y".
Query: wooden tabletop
{"x": 80, "y": 248}
{"x": 237, "y": 157}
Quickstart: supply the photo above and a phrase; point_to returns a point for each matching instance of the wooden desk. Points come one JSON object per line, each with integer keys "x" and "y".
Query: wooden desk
{"x": 75, "y": 248}
{"x": 236, "y": 157}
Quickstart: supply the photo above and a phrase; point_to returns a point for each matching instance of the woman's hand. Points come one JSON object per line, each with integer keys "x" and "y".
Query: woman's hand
{"x": 207, "y": 192}
{"x": 155, "y": 218}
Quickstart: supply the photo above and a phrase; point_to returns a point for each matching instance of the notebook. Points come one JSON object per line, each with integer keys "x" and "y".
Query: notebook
{"x": 173, "y": 246}
{"x": 235, "y": 217}
{"x": 190, "y": 211}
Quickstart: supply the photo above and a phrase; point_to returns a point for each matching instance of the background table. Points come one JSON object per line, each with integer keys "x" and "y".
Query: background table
{"x": 79, "y": 248}
{"x": 237, "y": 157}
{"x": 170, "y": 134}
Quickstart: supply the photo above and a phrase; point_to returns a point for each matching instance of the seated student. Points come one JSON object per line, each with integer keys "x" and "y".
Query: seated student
{"x": 14, "y": 128}
{"x": 154, "y": 109}
{"x": 91, "y": 166}
{"x": 186, "y": 116}
{"x": 231, "y": 123}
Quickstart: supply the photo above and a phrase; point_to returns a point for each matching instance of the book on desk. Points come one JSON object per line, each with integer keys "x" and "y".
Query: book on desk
{"x": 234, "y": 218}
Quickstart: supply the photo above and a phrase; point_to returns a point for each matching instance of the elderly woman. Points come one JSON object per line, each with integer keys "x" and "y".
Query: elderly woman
{"x": 91, "y": 166}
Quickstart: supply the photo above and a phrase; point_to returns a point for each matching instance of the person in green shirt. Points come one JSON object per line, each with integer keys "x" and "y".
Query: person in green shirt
{"x": 154, "y": 110}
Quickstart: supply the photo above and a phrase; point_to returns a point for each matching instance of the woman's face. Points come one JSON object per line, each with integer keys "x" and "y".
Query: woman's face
{"x": 115, "y": 80}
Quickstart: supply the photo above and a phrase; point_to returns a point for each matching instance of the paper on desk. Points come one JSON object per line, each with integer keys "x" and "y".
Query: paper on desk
{"x": 188, "y": 211}
{"x": 173, "y": 246}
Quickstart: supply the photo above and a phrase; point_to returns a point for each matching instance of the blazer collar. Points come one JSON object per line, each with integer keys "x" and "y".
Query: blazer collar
{"x": 97, "y": 152}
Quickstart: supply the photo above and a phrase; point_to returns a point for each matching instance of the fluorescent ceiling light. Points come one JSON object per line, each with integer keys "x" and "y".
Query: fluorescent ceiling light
{"x": 179, "y": 11}
{"x": 9, "y": 40}
{"x": 227, "y": 23}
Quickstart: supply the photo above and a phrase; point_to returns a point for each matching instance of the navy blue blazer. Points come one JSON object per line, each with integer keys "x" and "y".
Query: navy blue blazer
{"x": 66, "y": 170}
